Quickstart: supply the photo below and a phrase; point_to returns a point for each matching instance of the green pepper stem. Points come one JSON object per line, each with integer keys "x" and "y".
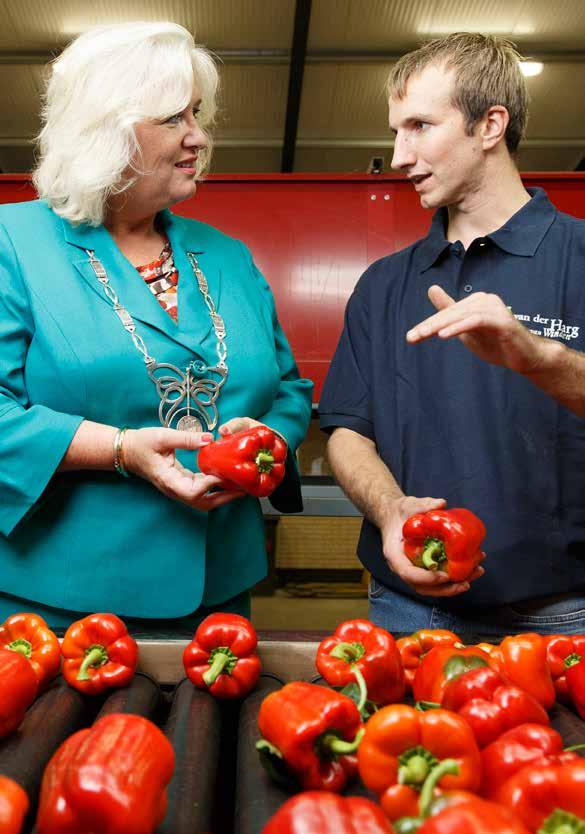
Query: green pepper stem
{"x": 573, "y": 747}
{"x": 562, "y": 822}
{"x": 415, "y": 765}
{"x": 264, "y": 460}
{"x": 219, "y": 663}
{"x": 262, "y": 744}
{"x": 363, "y": 688}
{"x": 572, "y": 660}
{"x": 94, "y": 656}
{"x": 350, "y": 652}
{"x": 338, "y": 747}
{"x": 425, "y": 706}
{"x": 447, "y": 766}
{"x": 21, "y": 646}
{"x": 415, "y": 772}
{"x": 433, "y": 554}
{"x": 406, "y": 825}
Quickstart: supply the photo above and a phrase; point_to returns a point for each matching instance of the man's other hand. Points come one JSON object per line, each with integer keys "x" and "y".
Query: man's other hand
{"x": 425, "y": 582}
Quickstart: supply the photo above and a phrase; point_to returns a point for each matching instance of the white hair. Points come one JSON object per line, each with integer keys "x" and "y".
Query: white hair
{"x": 104, "y": 83}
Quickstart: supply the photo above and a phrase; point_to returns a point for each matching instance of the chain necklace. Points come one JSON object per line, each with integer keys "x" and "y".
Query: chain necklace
{"x": 187, "y": 397}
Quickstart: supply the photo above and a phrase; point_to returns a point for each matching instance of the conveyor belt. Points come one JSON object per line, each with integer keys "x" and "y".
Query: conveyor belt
{"x": 219, "y": 785}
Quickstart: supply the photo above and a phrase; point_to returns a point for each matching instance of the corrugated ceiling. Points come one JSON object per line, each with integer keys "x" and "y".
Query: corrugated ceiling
{"x": 351, "y": 44}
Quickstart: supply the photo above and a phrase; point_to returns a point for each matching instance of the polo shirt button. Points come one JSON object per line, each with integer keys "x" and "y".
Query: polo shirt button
{"x": 468, "y": 288}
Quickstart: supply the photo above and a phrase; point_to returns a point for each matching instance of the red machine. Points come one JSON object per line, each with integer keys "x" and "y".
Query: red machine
{"x": 313, "y": 235}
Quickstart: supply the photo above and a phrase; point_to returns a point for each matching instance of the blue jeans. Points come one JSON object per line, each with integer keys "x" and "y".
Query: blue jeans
{"x": 560, "y": 614}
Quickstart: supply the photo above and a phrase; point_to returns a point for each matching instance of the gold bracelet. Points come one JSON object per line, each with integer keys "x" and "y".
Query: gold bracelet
{"x": 119, "y": 452}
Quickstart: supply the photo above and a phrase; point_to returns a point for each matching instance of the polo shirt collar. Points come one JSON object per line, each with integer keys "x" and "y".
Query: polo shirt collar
{"x": 524, "y": 231}
{"x": 435, "y": 243}
{"x": 521, "y": 235}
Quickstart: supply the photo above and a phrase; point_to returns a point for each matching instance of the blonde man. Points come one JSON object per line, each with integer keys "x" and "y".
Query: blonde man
{"x": 468, "y": 417}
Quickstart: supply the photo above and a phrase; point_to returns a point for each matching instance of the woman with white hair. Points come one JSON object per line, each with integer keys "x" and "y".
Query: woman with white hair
{"x": 129, "y": 337}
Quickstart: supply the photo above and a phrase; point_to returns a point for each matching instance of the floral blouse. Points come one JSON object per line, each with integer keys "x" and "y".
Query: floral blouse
{"x": 162, "y": 278}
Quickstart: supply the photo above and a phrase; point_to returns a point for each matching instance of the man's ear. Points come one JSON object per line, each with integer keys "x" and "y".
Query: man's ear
{"x": 492, "y": 128}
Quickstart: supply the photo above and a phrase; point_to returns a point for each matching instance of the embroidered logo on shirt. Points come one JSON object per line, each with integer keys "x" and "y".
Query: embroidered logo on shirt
{"x": 551, "y": 328}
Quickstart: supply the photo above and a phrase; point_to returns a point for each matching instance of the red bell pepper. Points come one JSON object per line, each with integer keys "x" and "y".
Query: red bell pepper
{"x": 558, "y": 647}
{"x": 548, "y": 797}
{"x": 324, "y": 812}
{"x": 360, "y": 651}
{"x": 98, "y": 654}
{"x": 414, "y": 647}
{"x": 29, "y": 635}
{"x": 252, "y": 461}
{"x": 521, "y": 659}
{"x": 473, "y": 816}
{"x": 18, "y": 689}
{"x": 575, "y": 678}
{"x": 441, "y": 665}
{"x": 514, "y": 749}
{"x": 13, "y": 806}
{"x": 445, "y": 540}
{"x": 490, "y": 705}
{"x": 309, "y": 732}
{"x": 401, "y": 747}
{"x": 108, "y": 779}
{"x": 222, "y": 656}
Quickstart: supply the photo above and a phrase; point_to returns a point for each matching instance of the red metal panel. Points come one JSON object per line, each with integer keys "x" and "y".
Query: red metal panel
{"x": 312, "y": 235}
{"x": 311, "y": 241}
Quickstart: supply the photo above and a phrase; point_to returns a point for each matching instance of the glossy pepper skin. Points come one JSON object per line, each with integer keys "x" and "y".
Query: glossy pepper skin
{"x": 575, "y": 678}
{"x": 312, "y": 730}
{"x": 522, "y": 659}
{"x": 31, "y": 636}
{"x": 441, "y": 665}
{"x": 445, "y": 540}
{"x": 98, "y": 653}
{"x": 14, "y": 805}
{"x": 252, "y": 461}
{"x": 401, "y": 746}
{"x": 473, "y": 816}
{"x": 358, "y": 649}
{"x": 537, "y": 791}
{"x": 18, "y": 689}
{"x": 512, "y": 751}
{"x": 558, "y": 647}
{"x": 414, "y": 647}
{"x": 222, "y": 656}
{"x": 490, "y": 705}
{"x": 324, "y": 812}
{"x": 108, "y": 779}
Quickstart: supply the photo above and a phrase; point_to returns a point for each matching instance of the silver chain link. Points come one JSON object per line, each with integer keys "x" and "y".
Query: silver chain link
{"x": 216, "y": 319}
{"x": 179, "y": 391}
{"x": 128, "y": 322}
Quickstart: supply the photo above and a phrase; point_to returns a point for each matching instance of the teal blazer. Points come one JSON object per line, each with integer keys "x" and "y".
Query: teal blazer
{"x": 91, "y": 540}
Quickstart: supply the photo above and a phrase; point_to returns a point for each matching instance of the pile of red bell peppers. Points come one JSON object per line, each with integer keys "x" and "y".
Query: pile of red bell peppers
{"x": 475, "y": 754}
{"x": 110, "y": 778}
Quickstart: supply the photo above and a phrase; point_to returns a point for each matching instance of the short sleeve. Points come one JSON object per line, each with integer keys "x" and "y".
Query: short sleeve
{"x": 346, "y": 397}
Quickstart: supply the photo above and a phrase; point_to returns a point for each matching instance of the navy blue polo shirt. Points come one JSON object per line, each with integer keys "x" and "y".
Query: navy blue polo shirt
{"x": 449, "y": 425}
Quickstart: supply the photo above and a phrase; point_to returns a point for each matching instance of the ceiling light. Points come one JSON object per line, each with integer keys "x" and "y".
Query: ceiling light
{"x": 530, "y": 68}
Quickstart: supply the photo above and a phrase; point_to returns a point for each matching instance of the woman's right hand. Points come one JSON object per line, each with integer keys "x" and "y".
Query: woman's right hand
{"x": 150, "y": 454}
